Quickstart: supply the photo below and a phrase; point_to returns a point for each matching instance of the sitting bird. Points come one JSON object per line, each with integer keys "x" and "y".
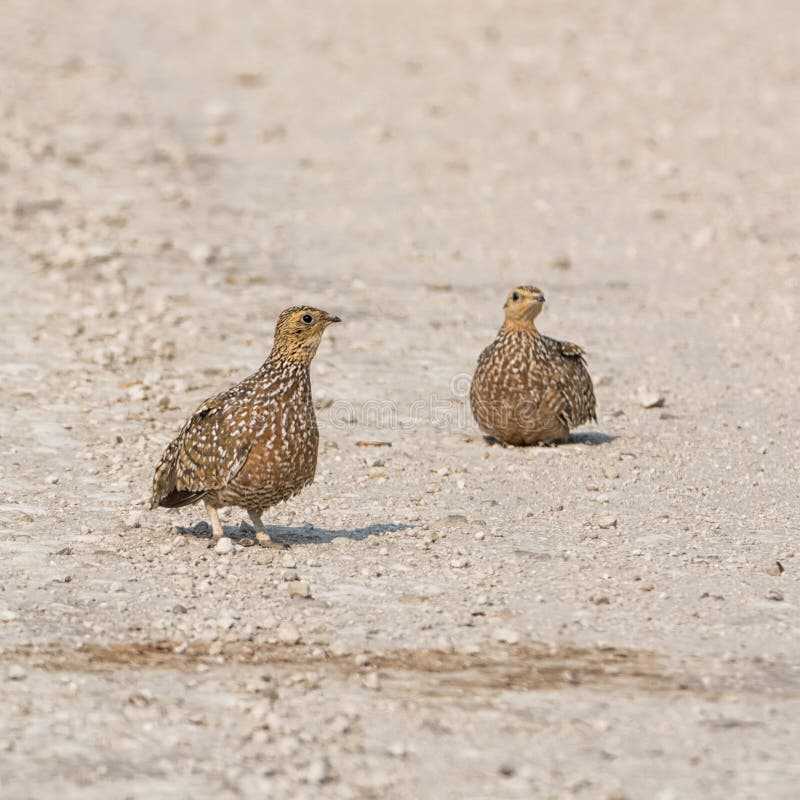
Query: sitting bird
{"x": 528, "y": 388}
{"x": 255, "y": 444}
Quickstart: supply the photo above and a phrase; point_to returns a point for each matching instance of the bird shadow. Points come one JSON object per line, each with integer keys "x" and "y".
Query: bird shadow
{"x": 591, "y": 438}
{"x": 310, "y": 535}
{"x": 302, "y": 534}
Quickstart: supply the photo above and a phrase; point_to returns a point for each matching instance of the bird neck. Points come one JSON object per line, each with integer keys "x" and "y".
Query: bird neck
{"x": 294, "y": 352}
{"x": 519, "y": 324}
{"x": 277, "y": 362}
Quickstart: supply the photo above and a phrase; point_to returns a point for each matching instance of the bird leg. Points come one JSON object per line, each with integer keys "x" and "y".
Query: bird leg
{"x": 262, "y": 537}
{"x": 216, "y": 526}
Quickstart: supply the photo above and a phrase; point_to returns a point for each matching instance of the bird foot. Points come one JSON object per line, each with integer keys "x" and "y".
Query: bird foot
{"x": 491, "y": 441}
{"x": 265, "y": 541}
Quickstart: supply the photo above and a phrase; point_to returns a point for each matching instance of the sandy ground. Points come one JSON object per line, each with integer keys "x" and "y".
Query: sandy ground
{"x": 601, "y": 620}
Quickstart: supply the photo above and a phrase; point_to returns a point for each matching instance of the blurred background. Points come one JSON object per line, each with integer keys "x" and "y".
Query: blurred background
{"x": 406, "y": 161}
{"x": 406, "y": 141}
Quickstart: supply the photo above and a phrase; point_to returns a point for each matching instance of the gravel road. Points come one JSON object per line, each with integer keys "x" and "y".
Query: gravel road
{"x": 616, "y": 618}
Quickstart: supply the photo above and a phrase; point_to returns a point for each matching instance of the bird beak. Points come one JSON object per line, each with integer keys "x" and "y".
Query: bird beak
{"x": 334, "y": 319}
{"x": 541, "y": 298}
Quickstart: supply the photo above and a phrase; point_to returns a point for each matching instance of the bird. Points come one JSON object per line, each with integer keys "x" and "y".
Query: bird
{"x": 529, "y": 389}
{"x": 255, "y": 444}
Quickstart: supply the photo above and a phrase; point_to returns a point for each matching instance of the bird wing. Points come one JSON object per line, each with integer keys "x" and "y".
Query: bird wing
{"x": 208, "y": 453}
{"x": 573, "y": 395}
{"x": 215, "y": 444}
{"x": 570, "y": 350}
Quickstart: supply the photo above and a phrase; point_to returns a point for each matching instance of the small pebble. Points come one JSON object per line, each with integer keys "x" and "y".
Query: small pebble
{"x": 52, "y": 480}
{"x": 606, "y": 522}
{"x": 649, "y": 399}
{"x": 16, "y": 673}
{"x": 397, "y": 749}
{"x": 318, "y": 772}
{"x": 774, "y": 594}
{"x": 299, "y": 589}
{"x": 445, "y": 644}
{"x": 506, "y": 635}
{"x": 224, "y": 546}
{"x": 203, "y": 253}
{"x": 371, "y": 681}
{"x": 459, "y": 563}
{"x": 339, "y": 648}
{"x": 137, "y": 393}
{"x": 288, "y": 633}
{"x": 7, "y": 615}
{"x": 702, "y": 238}
{"x": 775, "y": 569}
{"x": 341, "y": 724}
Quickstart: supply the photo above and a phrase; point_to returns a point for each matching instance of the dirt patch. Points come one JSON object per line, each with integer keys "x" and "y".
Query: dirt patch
{"x": 517, "y": 668}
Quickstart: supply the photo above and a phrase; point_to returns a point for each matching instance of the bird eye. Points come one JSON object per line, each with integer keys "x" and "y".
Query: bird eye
{"x": 515, "y": 296}
{"x": 308, "y": 319}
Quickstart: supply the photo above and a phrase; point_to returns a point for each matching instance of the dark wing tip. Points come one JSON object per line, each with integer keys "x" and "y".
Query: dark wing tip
{"x": 178, "y": 499}
{"x": 572, "y": 350}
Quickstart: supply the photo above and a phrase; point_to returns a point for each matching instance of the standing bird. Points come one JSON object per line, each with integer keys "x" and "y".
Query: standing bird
{"x": 529, "y": 388}
{"x": 255, "y": 444}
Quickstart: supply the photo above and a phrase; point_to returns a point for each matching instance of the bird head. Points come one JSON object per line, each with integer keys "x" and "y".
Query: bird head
{"x": 523, "y": 305}
{"x": 298, "y": 332}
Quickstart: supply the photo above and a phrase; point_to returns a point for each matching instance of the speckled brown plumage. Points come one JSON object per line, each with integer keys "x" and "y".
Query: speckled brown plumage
{"x": 529, "y": 388}
{"x": 255, "y": 444}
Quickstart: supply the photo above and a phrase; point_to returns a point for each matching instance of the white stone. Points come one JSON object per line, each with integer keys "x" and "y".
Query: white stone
{"x": 224, "y": 546}
{"x": 299, "y": 589}
{"x": 506, "y": 635}
{"x": 288, "y": 633}
{"x": 371, "y": 681}
{"x": 319, "y": 771}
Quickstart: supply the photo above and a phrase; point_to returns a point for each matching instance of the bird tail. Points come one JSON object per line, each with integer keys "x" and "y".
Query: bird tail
{"x": 165, "y": 492}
